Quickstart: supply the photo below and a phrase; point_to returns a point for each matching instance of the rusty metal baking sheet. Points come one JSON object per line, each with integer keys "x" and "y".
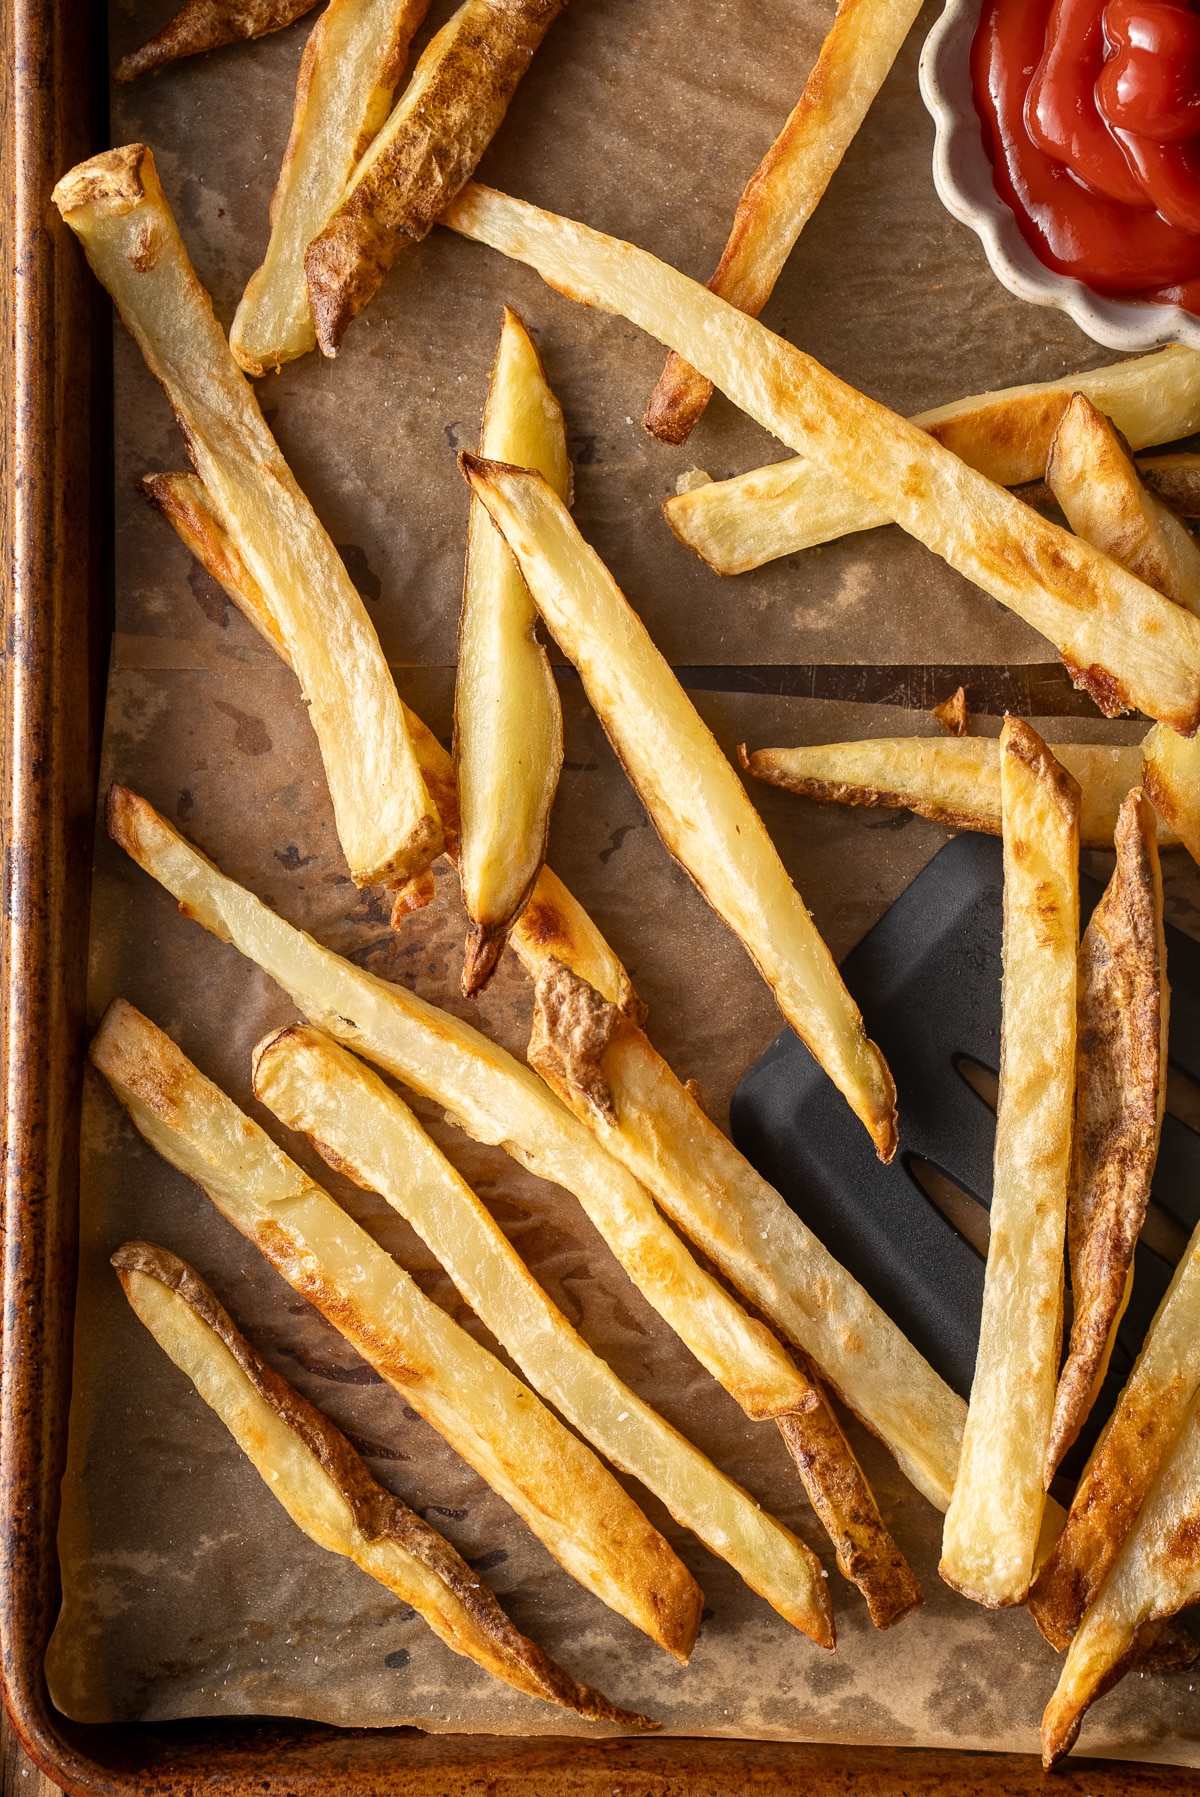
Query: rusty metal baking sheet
{"x": 188, "y": 1591}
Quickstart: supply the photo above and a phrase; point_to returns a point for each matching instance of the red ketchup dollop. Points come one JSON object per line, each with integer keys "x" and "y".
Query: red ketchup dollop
{"x": 1091, "y": 118}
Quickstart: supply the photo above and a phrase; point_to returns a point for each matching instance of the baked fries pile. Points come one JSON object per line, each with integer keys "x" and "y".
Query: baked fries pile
{"x": 730, "y": 1268}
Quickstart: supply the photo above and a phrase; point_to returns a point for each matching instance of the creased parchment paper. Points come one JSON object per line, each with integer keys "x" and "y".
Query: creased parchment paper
{"x": 188, "y": 1591}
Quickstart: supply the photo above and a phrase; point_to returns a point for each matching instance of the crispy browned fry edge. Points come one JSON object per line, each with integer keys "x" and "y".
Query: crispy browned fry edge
{"x": 760, "y": 763}
{"x": 1119, "y": 1096}
{"x": 423, "y": 155}
{"x": 378, "y": 1514}
{"x": 838, "y": 1492}
{"x": 787, "y": 186}
{"x": 207, "y": 25}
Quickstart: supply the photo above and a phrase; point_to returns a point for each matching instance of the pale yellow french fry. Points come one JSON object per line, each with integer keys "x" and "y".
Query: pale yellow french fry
{"x": 366, "y": 1132}
{"x": 424, "y": 151}
{"x": 1095, "y": 482}
{"x": 1121, "y": 641}
{"x": 351, "y": 64}
{"x": 1171, "y": 777}
{"x": 696, "y": 1174}
{"x": 1134, "y": 1447}
{"x": 955, "y": 781}
{"x": 507, "y": 716}
{"x": 695, "y": 800}
{"x": 1120, "y": 1092}
{"x": 996, "y": 1513}
{"x": 552, "y": 1481}
{"x": 738, "y": 524}
{"x": 311, "y": 1469}
{"x": 1154, "y": 1576}
{"x": 493, "y": 1097}
{"x": 387, "y": 822}
{"x": 784, "y": 191}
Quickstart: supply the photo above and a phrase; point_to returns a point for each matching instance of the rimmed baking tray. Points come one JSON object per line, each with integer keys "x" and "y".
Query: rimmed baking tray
{"x": 56, "y": 509}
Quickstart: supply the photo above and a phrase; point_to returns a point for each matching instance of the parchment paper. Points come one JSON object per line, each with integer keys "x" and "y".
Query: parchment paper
{"x": 188, "y": 1591}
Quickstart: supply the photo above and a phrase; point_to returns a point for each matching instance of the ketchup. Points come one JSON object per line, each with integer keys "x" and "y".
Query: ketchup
{"x": 1091, "y": 116}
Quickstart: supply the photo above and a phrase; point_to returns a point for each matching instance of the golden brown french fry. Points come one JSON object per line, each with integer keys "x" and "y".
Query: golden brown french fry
{"x": 311, "y": 1469}
{"x": 1121, "y": 641}
{"x": 1132, "y": 1450}
{"x": 387, "y": 822}
{"x": 351, "y": 64}
{"x": 209, "y": 25}
{"x": 507, "y": 716}
{"x": 429, "y": 146}
{"x": 1171, "y": 777}
{"x": 366, "y": 1132}
{"x": 954, "y": 782}
{"x": 783, "y": 192}
{"x": 493, "y": 1097}
{"x": 695, "y": 800}
{"x": 738, "y": 524}
{"x": 1155, "y": 1574}
{"x": 708, "y": 1189}
{"x": 1120, "y": 1091}
{"x": 553, "y": 1482}
{"x": 1095, "y": 482}
{"x": 995, "y": 1515}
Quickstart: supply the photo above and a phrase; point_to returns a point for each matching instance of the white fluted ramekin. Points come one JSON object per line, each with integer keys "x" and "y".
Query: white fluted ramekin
{"x": 962, "y": 175}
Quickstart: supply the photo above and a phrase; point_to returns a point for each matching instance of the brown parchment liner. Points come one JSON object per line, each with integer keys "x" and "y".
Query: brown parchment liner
{"x": 188, "y": 1591}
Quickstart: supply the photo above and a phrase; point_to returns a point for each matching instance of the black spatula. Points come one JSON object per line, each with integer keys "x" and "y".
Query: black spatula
{"x": 928, "y": 980}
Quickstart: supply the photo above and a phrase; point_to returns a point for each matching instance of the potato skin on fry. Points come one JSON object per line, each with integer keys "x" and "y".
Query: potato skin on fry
{"x": 352, "y": 62}
{"x": 1120, "y": 1091}
{"x": 439, "y": 129}
{"x": 208, "y": 25}
{"x": 1154, "y": 1575}
{"x": 456, "y": 1603}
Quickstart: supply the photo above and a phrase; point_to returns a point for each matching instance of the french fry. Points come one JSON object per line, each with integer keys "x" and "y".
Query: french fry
{"x": 738, "y": 524}
{"x": 493, "y": 1097}
{"x": 507, "y": 716}
{"x": 1121, "y": 641}
{"x": 311, "y": 1469}
{"x": 348, "y": 74}
{"x": 785, "y": 189}
{"x": 387, "y": 823}
{"x": 698, "y": 805}
{"x": 366, "y": 1132}
{"x": 1171, "y": 777}
{"x": 709, "y": 1190}
{"x": 552, "y": 1481}
{"x": 953, "y": 782}
{"x": 1155, "y": 1574}
{"x": 1095, "y": 482}
{"x": 1120, "y": 1092}
{"x": 209, "y": 25}
{"x": 429, "y": 146}
{"x": 995, "y": 1515}
{"x": 1133, "y": 1449}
